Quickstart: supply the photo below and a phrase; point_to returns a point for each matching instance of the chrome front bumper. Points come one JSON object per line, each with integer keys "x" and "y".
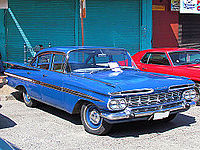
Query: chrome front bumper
{"x": 131, "y": 113}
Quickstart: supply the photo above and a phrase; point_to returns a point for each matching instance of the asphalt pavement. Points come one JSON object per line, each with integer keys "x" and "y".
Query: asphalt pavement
{"x": 45, "y": 127}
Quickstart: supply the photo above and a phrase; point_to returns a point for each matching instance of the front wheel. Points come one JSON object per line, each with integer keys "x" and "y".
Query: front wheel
{"x": 92, "y": 120}
{"x": 28, "y": 100}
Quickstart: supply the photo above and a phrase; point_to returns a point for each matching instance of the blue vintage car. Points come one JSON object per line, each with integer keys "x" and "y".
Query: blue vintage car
{"x": 102, "y": 85}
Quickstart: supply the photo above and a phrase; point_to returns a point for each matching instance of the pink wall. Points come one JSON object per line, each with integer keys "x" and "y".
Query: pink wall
{"x": 165, "y": 24}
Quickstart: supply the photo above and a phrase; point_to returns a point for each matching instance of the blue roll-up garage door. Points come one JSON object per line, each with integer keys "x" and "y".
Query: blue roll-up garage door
{"x": 113, "y": 23}
{"x": 42, "y": 21}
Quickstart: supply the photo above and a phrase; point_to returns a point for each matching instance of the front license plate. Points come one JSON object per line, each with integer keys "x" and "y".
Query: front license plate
{"x": 160, "y": 115}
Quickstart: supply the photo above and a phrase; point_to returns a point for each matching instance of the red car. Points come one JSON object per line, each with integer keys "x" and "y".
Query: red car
{"x": 173, "y": 61}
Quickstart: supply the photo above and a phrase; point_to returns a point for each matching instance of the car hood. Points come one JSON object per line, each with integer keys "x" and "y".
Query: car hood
{"x": 135, "y": 79}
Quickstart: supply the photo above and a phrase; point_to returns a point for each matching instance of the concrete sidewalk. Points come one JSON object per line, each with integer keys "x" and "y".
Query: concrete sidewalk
{"x": 1, "y": 79}
{"x": 6, "y": 92}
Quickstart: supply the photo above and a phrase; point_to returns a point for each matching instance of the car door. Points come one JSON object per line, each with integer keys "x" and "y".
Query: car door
{"x": 156, "y": 62}
{"x": 35, "y": 75}
{"x": 52, "y": 78}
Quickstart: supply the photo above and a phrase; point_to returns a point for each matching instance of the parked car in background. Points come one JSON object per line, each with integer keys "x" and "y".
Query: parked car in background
{"x": 172, "y": 61}
{"x": 102, "y": 85}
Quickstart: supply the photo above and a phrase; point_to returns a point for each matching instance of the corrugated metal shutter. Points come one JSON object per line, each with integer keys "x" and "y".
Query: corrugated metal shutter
{"x": 43, "y": 21}
{"x": 113, "y": 23}
{"x": 2, "y": 35}
{"x": 189, "y": 33}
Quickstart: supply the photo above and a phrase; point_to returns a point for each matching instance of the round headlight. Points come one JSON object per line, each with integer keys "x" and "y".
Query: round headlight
{"x": 189, "y": 94}
{"x": 193, "y": 94}
{"x": 117, "y": 104}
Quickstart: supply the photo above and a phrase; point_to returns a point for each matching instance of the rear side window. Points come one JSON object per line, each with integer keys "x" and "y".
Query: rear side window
{"x": 145, "y": 58}
{"x": 58, "y": 62}
{"x": 158, "y": 59}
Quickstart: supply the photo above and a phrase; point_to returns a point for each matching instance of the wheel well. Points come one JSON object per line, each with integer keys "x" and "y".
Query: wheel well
{"x": 20, "y": 88}
{"x": 196, "y": 81}
{"x": 77, "y": 107}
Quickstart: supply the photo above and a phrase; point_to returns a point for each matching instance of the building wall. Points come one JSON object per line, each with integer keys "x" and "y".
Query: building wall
{"x": 2, "y": 35}
{"x": 113, "y": 23}
{"x": 189, "y": 33}
{"x": 165, "y": 25}
{"x": 146, "y": 25}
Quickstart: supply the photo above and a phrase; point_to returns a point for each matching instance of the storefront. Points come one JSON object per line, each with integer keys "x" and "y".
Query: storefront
{"x": 189, "y": 32}
{"x": 113, "y": 23}
{"x": 165, "y": 24}
{"x": 176, "y": 23}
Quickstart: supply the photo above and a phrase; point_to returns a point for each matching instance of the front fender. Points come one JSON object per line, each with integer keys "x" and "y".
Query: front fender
{"x": 77, "y": 108}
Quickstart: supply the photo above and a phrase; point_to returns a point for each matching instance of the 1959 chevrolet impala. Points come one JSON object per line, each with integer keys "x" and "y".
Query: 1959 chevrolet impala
{"x": 102, "y": 85}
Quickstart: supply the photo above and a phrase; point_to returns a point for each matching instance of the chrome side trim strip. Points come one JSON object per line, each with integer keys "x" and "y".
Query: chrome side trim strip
{"x": 62, "y": 89}
{"x": 18, "y": 77}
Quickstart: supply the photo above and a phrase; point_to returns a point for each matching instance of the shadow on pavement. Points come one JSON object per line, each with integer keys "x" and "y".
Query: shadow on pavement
{"x": 1, "y": 85}
{"x": 5, "y": 122}
{"x": 52, "y": 110}
{"x": 135, "y": 129}
{"x": 75, "y": 119}
{"x": 17, "y": 95}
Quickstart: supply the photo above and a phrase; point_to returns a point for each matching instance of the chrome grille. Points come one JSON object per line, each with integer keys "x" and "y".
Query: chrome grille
{"x": 153, "y": 99}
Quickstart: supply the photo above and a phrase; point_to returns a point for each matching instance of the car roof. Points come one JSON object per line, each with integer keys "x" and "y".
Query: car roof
{"x": 66, "y": 49}
{"x": 168, "y": 49}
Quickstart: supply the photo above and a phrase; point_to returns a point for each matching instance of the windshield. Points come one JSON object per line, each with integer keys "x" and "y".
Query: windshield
{"x": 92, "y": 60}
{"x": 185, "y": 57}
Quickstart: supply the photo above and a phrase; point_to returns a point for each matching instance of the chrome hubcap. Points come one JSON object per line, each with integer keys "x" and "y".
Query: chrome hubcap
{"x": 95, "y": 117}
{"x": 26, "y": 97}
